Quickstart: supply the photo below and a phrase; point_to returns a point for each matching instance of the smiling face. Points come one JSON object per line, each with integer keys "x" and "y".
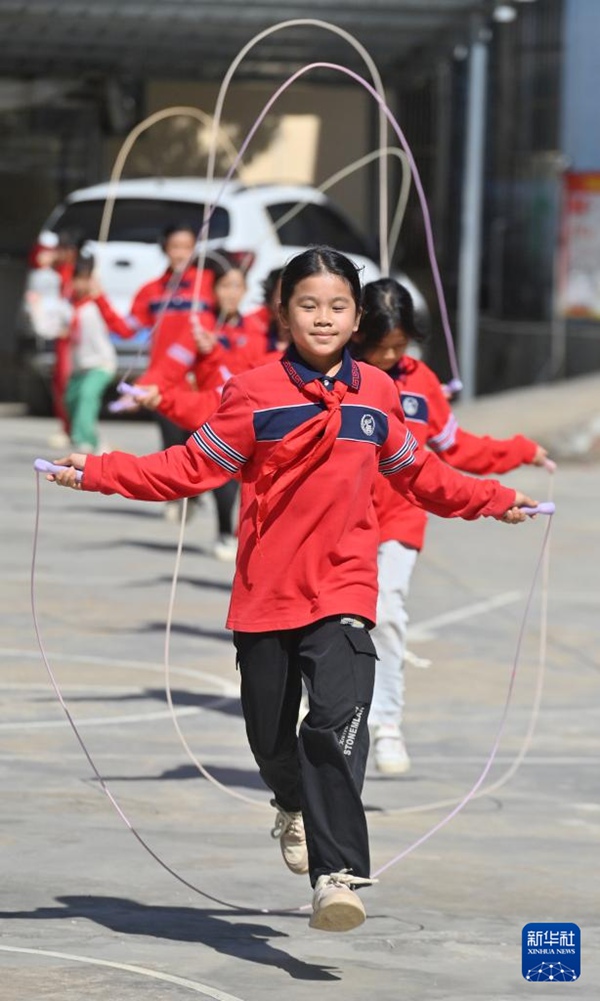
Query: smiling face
{"x": 321, "y": 316}
{"x": 388, "y": 352}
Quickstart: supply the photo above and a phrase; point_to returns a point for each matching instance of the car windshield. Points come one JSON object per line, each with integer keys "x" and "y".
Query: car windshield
{"x": 317, "y": 224}
{"x": 141, "y": 220}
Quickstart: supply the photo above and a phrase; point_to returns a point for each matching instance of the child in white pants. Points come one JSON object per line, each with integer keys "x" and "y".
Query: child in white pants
{"x": 387, "y": 326}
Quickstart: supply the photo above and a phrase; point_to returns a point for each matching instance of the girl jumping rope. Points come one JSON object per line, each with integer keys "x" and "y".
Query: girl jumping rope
{"x": 307, "y": 435}
{"x": 387, "y": 327}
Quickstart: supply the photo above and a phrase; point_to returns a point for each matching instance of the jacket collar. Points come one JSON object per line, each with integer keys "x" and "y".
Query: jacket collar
{"x": 301, "y": 373}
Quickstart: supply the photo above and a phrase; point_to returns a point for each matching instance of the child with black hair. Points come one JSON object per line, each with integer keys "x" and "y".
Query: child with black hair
{"x": 93, "y": 357}
{"x": 68, "y": 245}
{"x": 276, "y": 335}
{"x": 220, "y": 342}
{"x": 307, "y": 434}
{"x": 165, "y": 306}
{"x": 387, "y": 327}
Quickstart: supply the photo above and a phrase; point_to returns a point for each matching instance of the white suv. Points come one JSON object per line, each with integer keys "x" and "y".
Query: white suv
{"x": 265, "y": 224}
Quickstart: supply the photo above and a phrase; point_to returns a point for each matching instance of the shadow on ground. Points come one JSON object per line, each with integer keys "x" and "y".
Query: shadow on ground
{"x": 216, "y": 930}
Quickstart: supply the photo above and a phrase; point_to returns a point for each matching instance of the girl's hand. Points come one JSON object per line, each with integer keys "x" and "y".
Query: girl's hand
{"x": 540, "y": 456}
{"x": 205, "y": 341}
{"x": 513, "y": 516}
{"x": 151, "y": 399}
{"x": 72, "y": 462}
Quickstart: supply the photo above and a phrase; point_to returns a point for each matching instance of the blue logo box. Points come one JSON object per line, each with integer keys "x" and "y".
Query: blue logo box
{"x": 551, "y": 952}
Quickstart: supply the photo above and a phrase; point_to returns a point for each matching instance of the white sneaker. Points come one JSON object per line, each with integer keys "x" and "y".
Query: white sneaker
{"x": 225, "y": 548}
{"x": 391, "y": 756}
{"x": 336, "y": 907}
{"x": 59, "y": 439}
{"x": 289, "y": 828}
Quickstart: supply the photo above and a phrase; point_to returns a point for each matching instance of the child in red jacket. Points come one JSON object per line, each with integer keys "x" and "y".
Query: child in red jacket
{"x": 307, "y": 435}
{"x": 206, "y": 360}
{"x": 276, "y": 336}
{"x": 166, "y": 306}
{"x": 219, "y": 343}
{"x": 386, "y": 328}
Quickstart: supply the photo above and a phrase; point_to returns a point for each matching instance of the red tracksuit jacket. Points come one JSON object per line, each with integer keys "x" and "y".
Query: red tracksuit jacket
{"x": 429, "y": 417}
{"x": 164, "y": 305}
{"x": 318, "y": 557}
{"x": 188, "y": 407}
{"x": 239, "y": 346}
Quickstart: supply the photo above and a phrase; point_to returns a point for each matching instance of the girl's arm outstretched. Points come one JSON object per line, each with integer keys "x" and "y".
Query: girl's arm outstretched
{"x": 480, "y": 454}
{"x": 215, "y": 453}
{"x": 431, "y": 484}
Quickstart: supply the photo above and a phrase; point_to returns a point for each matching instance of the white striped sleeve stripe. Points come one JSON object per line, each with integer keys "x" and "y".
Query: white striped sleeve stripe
{"x": 210, "y": 452}
{"x": 410, "y": 444}
{"x": 401, "y": 465}
{"x": 231, "y": 452}
{"x": 447, "y": 436}
{"x": 181, "y": 354}
{"x": 404, "y": 457}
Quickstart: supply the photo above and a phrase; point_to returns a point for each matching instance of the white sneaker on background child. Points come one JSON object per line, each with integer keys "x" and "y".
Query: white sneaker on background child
{"x": 389, "y": 749}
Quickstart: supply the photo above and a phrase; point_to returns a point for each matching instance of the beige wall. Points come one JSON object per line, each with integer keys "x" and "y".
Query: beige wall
{"x": 311, "y": 132}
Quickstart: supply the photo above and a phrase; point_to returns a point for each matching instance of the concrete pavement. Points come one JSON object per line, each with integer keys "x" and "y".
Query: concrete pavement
{"x": 87, "y": 913}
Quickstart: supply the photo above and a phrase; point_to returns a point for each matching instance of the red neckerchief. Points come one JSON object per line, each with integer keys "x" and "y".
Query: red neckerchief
{"x": 301, "y": 450}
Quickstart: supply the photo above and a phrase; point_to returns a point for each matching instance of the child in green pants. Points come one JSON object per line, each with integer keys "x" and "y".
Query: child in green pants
{"x": 93, "y": 355}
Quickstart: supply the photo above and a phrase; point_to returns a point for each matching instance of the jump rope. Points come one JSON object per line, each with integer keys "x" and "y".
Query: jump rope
{"x": 547, "y": 508}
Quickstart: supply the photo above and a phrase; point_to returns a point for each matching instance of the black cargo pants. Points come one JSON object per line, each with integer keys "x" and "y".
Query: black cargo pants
{"x": 321, "y": 769}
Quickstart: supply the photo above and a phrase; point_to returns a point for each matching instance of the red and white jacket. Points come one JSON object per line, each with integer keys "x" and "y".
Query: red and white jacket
{"x": 239, "y": 345}
{"x": 317, "y": 554}
{"x": 430, "y": 419}
{"x": 165, "y": 306}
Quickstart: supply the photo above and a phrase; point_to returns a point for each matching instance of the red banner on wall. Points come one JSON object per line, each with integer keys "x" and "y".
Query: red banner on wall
{"x": 579, "y": 255}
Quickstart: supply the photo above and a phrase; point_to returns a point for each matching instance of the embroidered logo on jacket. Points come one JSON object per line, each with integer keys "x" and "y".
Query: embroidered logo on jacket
{"x": 367, "y": 425}
{"x": 415, "y": 407}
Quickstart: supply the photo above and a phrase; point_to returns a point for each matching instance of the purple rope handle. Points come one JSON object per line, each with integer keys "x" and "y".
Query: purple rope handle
{"x": 43, "y": 466}
{"x": 131, "y": 390}
{"x": 127, "y": 389}
{"x": 546, "y": 507}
